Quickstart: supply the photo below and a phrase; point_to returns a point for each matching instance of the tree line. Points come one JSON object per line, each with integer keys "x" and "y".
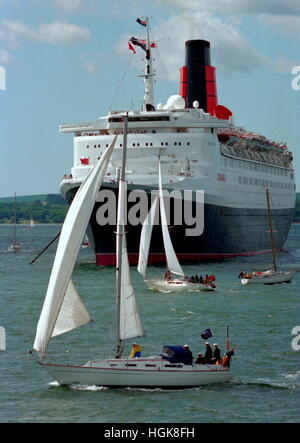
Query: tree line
{"x": 51, "y": 210}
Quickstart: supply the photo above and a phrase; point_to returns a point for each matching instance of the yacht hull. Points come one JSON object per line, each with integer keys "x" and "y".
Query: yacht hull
{"x": 14, "y": 247}
{"x": 161, "y": 374}
{"x": 178, "y": 286}
{"x": 272, "y": 278}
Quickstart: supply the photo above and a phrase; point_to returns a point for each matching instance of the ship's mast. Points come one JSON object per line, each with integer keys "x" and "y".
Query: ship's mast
{"x": 148, "y": 104}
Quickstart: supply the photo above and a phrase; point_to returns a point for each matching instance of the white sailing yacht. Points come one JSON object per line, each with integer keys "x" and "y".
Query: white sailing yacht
{"x": 167, "y": 284}
{"x": 85, "y": 244}
{"x": 14, "y": 246}
{"x": 31, "y": 225}
{"x": 63, "y": 310}
{"x": 269, "y": 276}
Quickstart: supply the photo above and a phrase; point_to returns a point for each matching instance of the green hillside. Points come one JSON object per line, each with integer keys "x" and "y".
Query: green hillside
{"x": 51, "y": 208}
{"x": 30, "y": 198}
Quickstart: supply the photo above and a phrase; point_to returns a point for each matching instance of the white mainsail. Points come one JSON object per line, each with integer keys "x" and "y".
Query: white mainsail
{"x": 145, "y": 241}
{"x": 68, "y": 247}
{"x": 130, "y": 323}
{"x": 173, "y": 263}
{"x": 146, "y": 233}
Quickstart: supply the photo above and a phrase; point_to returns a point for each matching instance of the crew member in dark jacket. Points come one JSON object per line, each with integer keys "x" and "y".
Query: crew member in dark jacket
{"x": 200, "y": 359}
{"x": 208, "y": 353}
{"x": 217, "y": 353}
{"x": 189, "y": 355}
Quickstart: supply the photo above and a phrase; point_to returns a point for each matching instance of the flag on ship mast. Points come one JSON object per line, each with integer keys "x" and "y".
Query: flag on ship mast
{"x": 131, "y": 48}
{"x": 141, "y": 22}
{"x": 138, "y": 42}
{"x": 142, "y": 43}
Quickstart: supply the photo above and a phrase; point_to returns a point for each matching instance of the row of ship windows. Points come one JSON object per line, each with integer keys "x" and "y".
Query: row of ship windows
{"x": 146, "y": 144}
{"x": 253, "y": 166}
{"x": 266, "y": 183}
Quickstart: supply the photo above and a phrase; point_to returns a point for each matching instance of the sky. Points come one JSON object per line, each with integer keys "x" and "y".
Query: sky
{"x": 67, "y": 61}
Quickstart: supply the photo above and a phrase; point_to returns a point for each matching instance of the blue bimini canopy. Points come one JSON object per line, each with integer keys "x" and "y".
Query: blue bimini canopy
{"x": 175, "y": 354}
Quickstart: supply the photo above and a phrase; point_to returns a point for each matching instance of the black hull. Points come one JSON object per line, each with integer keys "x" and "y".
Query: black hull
{"x": 228, "y": 232}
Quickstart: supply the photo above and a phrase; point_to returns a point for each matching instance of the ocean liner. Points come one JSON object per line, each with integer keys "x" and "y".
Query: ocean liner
{"x": 200, "y": 149}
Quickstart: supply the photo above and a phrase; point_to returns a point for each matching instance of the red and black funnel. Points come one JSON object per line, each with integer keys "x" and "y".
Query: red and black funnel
{"x": 197, "y": 77}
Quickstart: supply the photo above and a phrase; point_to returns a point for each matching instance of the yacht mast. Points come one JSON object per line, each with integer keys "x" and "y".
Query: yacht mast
{"x": 120, "y": 235}
{"x": 271, "y": 231}
{"x": 15, "y": 220}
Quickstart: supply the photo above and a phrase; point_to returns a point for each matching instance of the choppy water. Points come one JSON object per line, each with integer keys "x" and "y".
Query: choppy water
{"x": 266, "y": 370}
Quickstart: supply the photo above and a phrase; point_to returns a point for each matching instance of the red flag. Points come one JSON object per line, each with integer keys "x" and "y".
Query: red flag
{"x": 131, "y": 48}
{"x": 227, "y": 344}
{"x": 138, "y": 42}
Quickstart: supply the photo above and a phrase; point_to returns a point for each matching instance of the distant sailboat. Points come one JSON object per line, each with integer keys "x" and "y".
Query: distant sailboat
{"x": 269, "y": 276}
{"x": 14, "y": 246}
{"x": 30, "y": 226}
{"x": 63, "y": 310}
{"x": 168, "y": 284}
{"x": 85, "y": 243}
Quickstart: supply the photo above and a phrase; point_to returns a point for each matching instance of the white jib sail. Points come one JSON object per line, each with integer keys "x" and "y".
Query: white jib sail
{"x": 173, "y": 263}
{"x": 145, "y": 240}
{"x": 68, "y": 247}
{"x": 72, "y": 313}
{"x": 130, "y": 323}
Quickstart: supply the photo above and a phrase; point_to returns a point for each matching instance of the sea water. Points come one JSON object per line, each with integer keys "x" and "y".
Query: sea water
{"x": 266, "y": 366}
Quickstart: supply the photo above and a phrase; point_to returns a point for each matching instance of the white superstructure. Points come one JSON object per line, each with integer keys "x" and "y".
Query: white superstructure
{"x": 191, "y": 156}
